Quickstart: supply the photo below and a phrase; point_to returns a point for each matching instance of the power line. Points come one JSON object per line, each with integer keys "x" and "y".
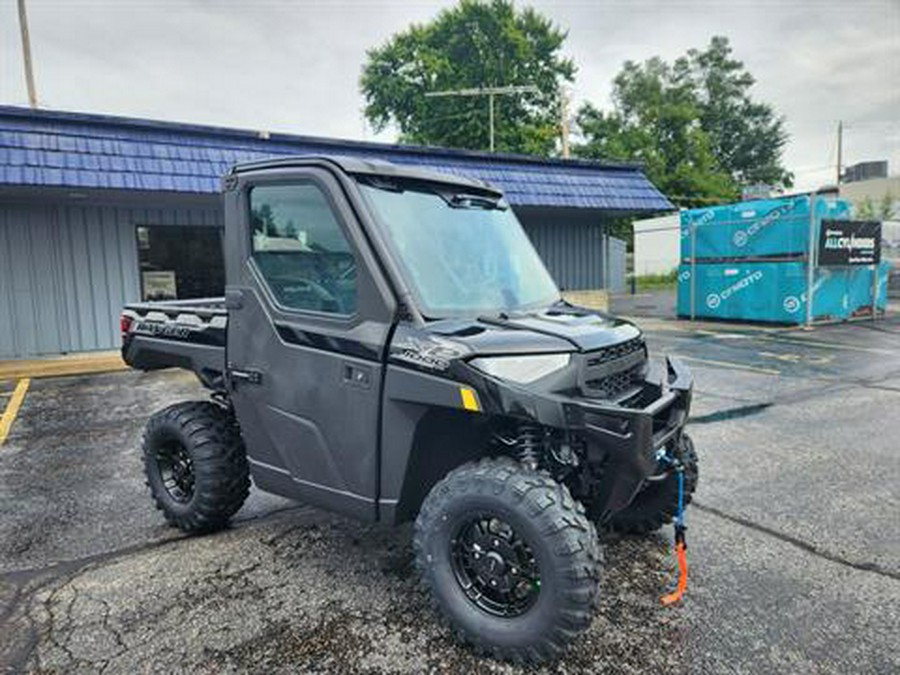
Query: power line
{"x": 451, "y": 116}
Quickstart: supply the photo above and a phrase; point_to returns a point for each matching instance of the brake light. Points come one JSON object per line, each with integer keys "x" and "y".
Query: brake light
{"x": 125, "y": 325}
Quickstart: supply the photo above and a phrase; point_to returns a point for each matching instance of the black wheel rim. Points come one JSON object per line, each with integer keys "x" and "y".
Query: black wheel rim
{"x": 495, "y": 566}
{"x": 176, "y": 471}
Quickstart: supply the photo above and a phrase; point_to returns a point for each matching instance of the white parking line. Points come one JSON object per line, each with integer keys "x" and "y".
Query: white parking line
{"x": 731, "y": 364}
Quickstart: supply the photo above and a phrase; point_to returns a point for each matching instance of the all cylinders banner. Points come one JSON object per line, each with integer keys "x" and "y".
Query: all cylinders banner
{"x": 849, "y": 242}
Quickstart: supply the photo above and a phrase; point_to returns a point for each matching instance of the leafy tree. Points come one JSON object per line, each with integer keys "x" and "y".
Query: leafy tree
{"x": 866, "y": 209}
{"x": 693, "y": 125}
{"x": 746, "y": 137}
{"x": 655, "y": 120}
{"x": 475, "y": 44}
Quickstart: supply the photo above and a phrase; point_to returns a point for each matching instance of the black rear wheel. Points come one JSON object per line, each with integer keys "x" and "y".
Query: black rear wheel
{"x": 509, "y": 559}
{"x": 195, "y": 465}
{"x": 176, "y": 470}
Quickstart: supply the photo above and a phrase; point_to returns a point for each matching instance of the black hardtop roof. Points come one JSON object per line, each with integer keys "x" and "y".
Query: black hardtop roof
{"x": 367, "y": 167}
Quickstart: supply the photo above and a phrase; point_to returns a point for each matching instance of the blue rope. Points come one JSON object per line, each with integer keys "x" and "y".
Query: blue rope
{"x": 679, "y": 518}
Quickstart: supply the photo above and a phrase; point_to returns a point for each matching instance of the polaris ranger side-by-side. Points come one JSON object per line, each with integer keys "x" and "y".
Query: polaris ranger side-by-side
{"x": 391, "y": 347}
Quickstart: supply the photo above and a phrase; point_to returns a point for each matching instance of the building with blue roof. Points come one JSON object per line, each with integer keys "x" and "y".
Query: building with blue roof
{"x": 96, "y": 211}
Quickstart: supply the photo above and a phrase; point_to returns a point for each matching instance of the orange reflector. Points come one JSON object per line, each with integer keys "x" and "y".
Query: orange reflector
{"x": 678, "y": 593}
{"x": 469, "y": 399}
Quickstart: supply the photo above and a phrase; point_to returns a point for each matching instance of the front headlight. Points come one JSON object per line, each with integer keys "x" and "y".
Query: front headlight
{"x": 521, "y": 369}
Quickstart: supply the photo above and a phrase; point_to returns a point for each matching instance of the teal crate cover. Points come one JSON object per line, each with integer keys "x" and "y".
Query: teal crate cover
{"x": 776, "y": 291}
{"x": 759, "y": 229}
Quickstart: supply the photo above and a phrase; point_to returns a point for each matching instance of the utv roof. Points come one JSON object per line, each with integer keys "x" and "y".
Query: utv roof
{"x": 367, "y": 167}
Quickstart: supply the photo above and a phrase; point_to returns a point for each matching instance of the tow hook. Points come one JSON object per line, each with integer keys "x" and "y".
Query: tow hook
{"x": 680, "y": 543}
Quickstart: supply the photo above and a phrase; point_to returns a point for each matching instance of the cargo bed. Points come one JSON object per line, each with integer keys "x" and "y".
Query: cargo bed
{"x": 177, "y": 334}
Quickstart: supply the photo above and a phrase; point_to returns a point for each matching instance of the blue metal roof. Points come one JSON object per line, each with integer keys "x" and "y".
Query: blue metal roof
{"x": 76, "y": 150}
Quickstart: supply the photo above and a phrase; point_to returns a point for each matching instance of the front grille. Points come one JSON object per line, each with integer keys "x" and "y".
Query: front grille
{"x": 612, "y": 371}
{"x": 607, "y": 354}
{"x": 613, "y": 385}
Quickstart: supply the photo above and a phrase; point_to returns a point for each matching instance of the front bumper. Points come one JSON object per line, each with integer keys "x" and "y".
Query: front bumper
{"x": 628, "y": 440}
{"x": 623, "y": 439}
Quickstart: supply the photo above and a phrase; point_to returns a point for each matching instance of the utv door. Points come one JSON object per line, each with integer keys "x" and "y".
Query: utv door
{"x": 309, "y": 315}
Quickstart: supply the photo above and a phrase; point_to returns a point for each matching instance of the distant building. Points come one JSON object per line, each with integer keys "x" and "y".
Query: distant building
{"x": 874, "y": 188}
{"x": 97, "y": 211}
{"x": 865, "y": 171}
{"x": 758, "y": 191}
{"x": 656, "y": 245}
{"x": 868, "y": 183}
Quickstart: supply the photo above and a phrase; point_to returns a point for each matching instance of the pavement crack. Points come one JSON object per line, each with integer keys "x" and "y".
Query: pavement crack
{"x": 106, "y": 621}
{"x": 806, "y": 546}
{"x": 69, "y": 567}
{"x": 30, "y": 582}
{"x": 53, "y": 629}
{"x": 731, "y": 413}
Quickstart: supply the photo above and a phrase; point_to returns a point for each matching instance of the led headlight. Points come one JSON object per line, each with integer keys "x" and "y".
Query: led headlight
{"x": 521, "y": 369}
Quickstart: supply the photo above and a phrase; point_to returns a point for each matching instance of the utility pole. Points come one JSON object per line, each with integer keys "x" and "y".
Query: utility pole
{"x": 564, "y": 121}
{"x": 26, "y": 55}
{"x": 490, "y": 92}
{"x": 491, "y": 119}
{"x": 840, "y": 149}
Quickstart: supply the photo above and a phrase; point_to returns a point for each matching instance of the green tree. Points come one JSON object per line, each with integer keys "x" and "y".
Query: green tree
{"x": 886, "y": 206}
{"x": 746, "y": 136}
{"x": 866, "y": 209}
{"x": 655, "y": 121}
{"x": 475, "y": 44}
{"x": 692, "y": 123}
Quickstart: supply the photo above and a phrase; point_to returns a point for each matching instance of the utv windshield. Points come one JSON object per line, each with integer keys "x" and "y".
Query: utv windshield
{"x": 462, "y": 253}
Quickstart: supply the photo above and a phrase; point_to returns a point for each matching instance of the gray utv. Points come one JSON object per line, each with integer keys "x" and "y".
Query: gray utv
{"x": 391, "y": 347}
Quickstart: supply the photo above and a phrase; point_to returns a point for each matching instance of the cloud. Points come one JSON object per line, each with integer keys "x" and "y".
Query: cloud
{"x": 294, "y": 66}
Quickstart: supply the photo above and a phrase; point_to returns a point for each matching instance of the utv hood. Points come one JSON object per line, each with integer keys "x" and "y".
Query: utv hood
{"x": 550, "y": 330}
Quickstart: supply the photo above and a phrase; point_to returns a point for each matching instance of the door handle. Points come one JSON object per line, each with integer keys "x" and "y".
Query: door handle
{"x": 249, "y": 376}
{"x": 357, "y": 376}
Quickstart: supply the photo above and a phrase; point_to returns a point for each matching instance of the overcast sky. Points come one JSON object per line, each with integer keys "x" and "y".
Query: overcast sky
{"x": 294, "y": 65}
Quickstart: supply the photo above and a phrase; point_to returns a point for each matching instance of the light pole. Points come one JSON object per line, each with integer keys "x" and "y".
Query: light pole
{"x": 490, "y": 92}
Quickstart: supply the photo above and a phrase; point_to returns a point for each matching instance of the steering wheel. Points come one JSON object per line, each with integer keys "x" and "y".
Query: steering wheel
{"x": 299, "y": 292}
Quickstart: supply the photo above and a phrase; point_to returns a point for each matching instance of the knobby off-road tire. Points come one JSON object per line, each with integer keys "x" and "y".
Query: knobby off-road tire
{"x": 657, "y": 503}
{"x": 543, "y": 516}
{"x": 196, "y": 465}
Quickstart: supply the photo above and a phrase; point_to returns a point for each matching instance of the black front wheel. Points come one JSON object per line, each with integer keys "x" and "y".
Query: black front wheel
{"x": 509, "y": 559}
{"x": 196, "y": 466}
{"x": 657, "y": 502}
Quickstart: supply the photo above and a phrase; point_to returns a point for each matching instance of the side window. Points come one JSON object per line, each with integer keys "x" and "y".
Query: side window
{"x": 300, "y": 249}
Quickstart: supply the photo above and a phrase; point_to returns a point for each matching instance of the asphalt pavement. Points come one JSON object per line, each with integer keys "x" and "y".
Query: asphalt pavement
{"x": 794, "y": 537}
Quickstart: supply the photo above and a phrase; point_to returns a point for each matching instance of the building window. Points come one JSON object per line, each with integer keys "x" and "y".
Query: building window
{"x": 180, "y": 262}
{"x": 300, "y": 249}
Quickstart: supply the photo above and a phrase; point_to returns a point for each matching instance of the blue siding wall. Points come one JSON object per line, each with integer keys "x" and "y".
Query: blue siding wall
{"x": 66, "y": 271}
{"x": 570, "y": 242}
{"x": 573, "y": 253}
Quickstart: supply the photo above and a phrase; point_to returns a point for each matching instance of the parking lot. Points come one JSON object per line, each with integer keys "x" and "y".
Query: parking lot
{"x": 794, "y": 538}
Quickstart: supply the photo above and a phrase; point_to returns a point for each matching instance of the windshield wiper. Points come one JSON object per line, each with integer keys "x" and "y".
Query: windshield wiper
{"x": 381, "y": 183}
{"x": 456, "y": 200}
{"x": 462, "y": 200}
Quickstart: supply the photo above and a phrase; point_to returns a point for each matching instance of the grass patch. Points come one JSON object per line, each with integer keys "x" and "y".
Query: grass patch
{"x": 657, "y": 282}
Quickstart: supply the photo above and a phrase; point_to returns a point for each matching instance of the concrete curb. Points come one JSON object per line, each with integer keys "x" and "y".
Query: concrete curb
{"x": 85, "y": 363}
